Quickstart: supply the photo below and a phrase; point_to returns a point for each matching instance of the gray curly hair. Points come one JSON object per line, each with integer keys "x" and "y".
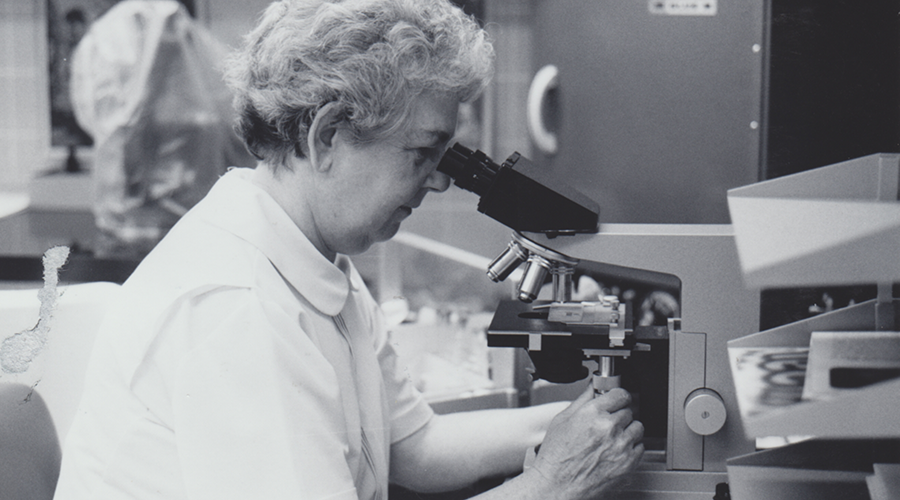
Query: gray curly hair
{"x": 371, "y": 57}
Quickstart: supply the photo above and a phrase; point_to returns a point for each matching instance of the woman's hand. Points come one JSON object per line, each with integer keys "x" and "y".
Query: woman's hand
{"x": 590, "y": 445}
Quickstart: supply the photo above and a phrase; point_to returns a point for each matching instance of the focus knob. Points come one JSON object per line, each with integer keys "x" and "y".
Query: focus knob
{"x": 704, "y": 412}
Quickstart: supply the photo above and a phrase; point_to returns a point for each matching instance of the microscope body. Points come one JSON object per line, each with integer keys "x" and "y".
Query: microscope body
{"x": 702, "y": 426}
{"x": 715, "y": 308}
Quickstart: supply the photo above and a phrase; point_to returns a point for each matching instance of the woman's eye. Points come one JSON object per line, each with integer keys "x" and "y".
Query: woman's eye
{"x": 423, "y": 155}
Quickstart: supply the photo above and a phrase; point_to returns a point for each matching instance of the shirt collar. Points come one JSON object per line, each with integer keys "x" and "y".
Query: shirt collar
{"x": 241, "y": 207}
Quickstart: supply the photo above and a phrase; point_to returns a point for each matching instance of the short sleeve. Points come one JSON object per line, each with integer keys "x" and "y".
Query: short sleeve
{"x": 256, "y": 407}
{"x": 408, "y": 409}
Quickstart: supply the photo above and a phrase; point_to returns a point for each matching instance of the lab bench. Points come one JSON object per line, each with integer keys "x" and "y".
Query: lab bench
{"x": 26, "y": 235}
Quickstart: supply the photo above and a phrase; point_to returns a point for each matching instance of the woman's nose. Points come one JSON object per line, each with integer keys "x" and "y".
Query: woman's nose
{"x": 437, "y": 181}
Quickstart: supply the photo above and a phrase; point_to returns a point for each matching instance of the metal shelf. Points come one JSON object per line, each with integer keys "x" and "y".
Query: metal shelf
{"x": 770, "y": 406}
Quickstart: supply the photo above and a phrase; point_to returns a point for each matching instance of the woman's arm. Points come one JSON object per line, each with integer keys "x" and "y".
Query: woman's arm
{"x": 457, "y": 449}
{"x": 586, "y": 447}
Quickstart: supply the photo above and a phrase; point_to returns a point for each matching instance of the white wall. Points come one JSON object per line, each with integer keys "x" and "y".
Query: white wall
{"x": 24, "y": 95}
{"x": 24, "y": 115}
{"x": 229, "y": 20}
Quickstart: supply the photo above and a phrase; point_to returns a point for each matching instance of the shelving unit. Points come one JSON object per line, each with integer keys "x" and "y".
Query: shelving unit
{"x": 835, "y": 225}
{"x": 867, "y": 412}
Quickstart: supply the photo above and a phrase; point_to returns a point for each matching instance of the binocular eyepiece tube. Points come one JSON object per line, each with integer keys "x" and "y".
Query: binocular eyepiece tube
{"x": 472, "y": 170}
{"x": 519, "y": 194}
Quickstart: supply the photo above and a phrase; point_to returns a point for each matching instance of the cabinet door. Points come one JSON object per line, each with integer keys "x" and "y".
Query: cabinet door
{"x": 833, "y": 85}
{"x": 656, "y": 115}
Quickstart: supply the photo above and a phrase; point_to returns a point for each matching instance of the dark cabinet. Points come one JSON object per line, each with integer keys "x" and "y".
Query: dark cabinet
{"x": 659, "y": 107}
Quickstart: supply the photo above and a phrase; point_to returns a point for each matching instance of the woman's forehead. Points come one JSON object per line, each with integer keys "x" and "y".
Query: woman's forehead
{"x": 433, "y": 117}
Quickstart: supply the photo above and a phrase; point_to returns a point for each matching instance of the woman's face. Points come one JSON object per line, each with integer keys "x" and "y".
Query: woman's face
{"x": 373, "y": 187}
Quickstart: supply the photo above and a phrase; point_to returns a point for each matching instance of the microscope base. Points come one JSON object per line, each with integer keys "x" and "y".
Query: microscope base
{"x": 652, "y": 482}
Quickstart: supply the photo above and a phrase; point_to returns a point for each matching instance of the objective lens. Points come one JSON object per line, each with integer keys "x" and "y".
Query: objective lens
{"x": 533, "y": 280}
{"x": 562, "y": 282}
{"x": 506, "y": 262}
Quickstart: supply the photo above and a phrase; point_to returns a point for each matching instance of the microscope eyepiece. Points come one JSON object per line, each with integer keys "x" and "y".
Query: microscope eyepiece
{"x": 472, "y": 170}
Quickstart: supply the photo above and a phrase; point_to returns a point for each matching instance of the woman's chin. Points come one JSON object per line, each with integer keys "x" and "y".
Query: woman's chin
{"x": 387, "y": 232}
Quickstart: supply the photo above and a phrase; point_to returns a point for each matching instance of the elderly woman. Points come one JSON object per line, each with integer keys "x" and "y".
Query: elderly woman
{"x": 247, "y": 359}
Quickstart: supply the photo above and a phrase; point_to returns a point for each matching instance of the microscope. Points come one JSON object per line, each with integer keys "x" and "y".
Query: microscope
{"x": 559, "y": 334}
{"x": 679, "y": 379}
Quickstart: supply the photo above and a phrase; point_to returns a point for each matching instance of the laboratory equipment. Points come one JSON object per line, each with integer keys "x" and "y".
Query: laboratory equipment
{"x": 158, "y": 112}
{"x": 683, "y": 380}
{"x": 519, "y": 194}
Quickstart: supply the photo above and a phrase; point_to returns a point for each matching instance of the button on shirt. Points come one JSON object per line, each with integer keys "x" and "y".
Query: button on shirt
{"x": 240, "y": 363}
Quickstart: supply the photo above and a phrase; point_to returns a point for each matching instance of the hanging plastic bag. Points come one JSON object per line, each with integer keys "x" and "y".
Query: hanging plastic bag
{"x": 147, "y": 87}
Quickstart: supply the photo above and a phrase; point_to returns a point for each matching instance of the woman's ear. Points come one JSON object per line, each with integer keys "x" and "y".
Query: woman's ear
{"x": 320, "y": 139}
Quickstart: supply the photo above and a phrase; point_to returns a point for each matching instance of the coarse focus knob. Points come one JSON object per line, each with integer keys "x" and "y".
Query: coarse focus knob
{"x": 704, "y": 412}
